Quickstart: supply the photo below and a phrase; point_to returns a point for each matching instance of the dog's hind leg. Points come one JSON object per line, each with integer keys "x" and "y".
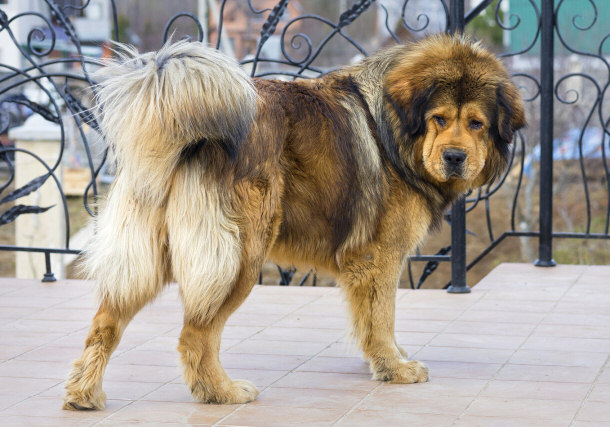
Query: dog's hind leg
{"x": 127, "y": 259}
{"x": 216, "y": 263}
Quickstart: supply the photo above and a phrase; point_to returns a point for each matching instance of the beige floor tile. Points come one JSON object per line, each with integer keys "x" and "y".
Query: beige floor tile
{"x": 475, "y": 340}
{"x": 141, "y": 373}
{"x": 385, "y": 418}
{"x": 574, "y": 305}
{"x": 9, "y": 351}
{"x": 342, "y": 399}
{"x": 405, "y": 399}
{"x": 240, "y": 331}
{"x": 437, "y": 386}
{"x": 562, "y": 344}
{"x": 414, "y": 338}
{"x": 560, "y": 358}
{"x": 259, "y": 377}
{"x": 578, "y": 423}
{"x": 572, "y": 331}
{"x": 459, "y": 354}
{"x": 31, "y": 369}
{"x": 170, "y": 392}
{"x": 501, "y": 316}
{"x": 536, "y": 390}
{"x": 176, "y": 412}
{"x": 30, "y": 421}
{"x": 43, "y": 407}
{"x": 288, "y": 348}
{"x": 600, "y": 393}
{"x": 49, "y": 326}
{"x": 282, "y": 416}
{"x": 477, "y": 421}
{"x": 410, "y": 325}
{"x": 17, "y": 337}
{"x": 280, "y": 333}
{"x": 261, "y": 361}
{"x": 577, "y": 319}
{"x": 341, "y": 349}
{"x": 537, "y": 409}
{"x": 345, "y": 365}
{"x": 148, "y": 357}
{"x": 490, "y": 328}
{"x": 275, "y": 308}
{"x": 312, "y": 321}
{"x": 513, "y": 305}
{"x": 442, "y": 369}
{"x": 62, "y": 314}
{"x": 11, "y": 314}
{"x": 423, "y": 314}
{"x": 27, "y": 386}
{"x": 30, "y": 301}
{"x": 539, "y": 293}
{"x": 115, "y": 390}
{"x": 604, "y": 377}
{"x": 9, "y": 399}
{"x": 594, "y": 411}
{"x": 560, "y": 374}
{"x": 254, "y": 319}
{"x": 328, "y": 380}
{"x": 50, "y": 353}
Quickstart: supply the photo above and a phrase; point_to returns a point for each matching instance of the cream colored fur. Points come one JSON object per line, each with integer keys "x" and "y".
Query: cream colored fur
{"x": 153, "y": 105}
{"x": 204, "y": 244}
{"x": 127, "y": 255}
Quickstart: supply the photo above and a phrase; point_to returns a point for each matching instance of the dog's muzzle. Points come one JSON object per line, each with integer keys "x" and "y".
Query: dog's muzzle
{"x": 454, "y": 162}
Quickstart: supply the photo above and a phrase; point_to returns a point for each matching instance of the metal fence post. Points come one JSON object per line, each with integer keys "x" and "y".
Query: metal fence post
{"x": 458, "y": 210}
{"x": 545, "y": 242}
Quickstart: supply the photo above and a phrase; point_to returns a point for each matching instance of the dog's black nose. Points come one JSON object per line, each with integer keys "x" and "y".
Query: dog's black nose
{"x": 454, "y": 159}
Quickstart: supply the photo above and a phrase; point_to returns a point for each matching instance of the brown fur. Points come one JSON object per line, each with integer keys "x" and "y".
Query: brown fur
{"x": 346, "y": 173}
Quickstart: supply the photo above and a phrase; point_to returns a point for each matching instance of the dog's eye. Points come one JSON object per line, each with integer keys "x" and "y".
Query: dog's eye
{"x": 440, "y": 120}
{"x": 475, "y": 124}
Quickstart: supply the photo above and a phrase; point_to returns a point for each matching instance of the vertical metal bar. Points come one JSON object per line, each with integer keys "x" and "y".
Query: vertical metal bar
{"x": 458, "y": 210}
{"x": 48, "y": 275}
{"x": 545, "y": 242}
{"x": 456, "y": 16}
{"x": 458, "y": 248}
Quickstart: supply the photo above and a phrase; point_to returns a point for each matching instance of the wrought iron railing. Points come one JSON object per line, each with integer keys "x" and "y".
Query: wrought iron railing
{"x": 302, "y": 55}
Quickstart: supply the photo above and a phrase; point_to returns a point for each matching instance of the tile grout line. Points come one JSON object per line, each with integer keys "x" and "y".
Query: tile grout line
{"x": 489, "y": 381}
{"x": 593, "y": 385}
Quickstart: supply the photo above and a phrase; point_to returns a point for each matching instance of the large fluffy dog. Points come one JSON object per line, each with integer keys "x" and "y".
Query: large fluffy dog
{"x": 218, "y": 172}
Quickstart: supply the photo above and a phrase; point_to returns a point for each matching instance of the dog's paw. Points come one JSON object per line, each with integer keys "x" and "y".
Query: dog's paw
{"x": 74, "y": 401}
{"x": 403, "y": 372}
{"x": 239, "y": 391}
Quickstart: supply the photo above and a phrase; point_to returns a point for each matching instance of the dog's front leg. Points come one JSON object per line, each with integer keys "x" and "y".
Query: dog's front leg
{"x": 369, "y": 280}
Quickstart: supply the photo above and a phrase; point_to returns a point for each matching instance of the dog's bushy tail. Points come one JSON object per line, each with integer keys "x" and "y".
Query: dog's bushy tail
{"x": 153, "y": 106}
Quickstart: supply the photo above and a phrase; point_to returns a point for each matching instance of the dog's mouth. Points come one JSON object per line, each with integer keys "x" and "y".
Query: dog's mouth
{"x": 454, "y": 174}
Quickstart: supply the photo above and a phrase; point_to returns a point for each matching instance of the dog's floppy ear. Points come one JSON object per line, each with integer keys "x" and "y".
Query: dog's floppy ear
{"x": 411, "y": 109}
{"x": 510, "y": 114}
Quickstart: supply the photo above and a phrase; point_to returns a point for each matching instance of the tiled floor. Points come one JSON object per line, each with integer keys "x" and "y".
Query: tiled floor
{"x": 528, "y": 346}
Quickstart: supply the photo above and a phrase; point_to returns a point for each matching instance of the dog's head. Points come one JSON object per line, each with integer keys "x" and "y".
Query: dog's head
{"x": 458, "y": 110}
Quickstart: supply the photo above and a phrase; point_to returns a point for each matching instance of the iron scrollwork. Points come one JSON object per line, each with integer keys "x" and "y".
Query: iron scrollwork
{"x": 299, "y": 56}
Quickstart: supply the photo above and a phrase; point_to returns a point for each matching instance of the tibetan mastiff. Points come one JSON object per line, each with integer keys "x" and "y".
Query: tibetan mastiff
{"x": 218, "y": 172}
